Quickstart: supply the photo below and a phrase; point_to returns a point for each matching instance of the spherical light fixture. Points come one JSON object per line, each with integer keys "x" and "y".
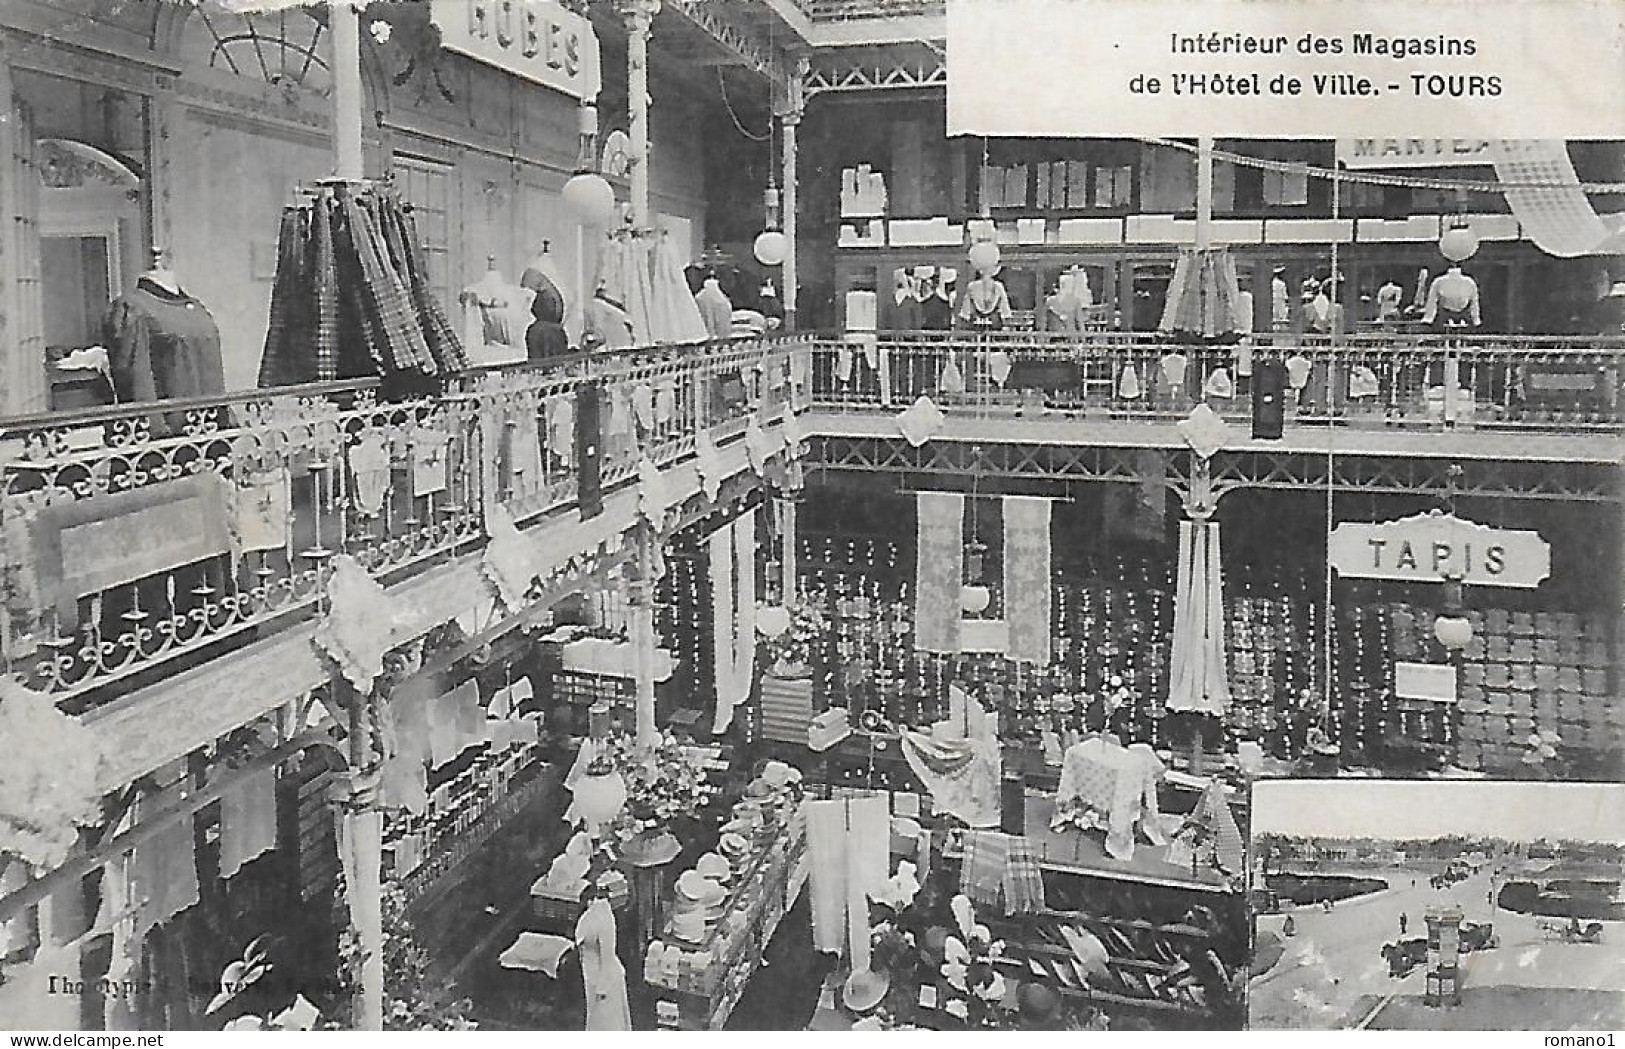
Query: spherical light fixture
{"x": 1459, "y": 243}
{"x": 772, "y": 620}
{"x": 984, "y": 257}
{"x": 590, "y": 198}
{"x": 771, "y": 247}
{"x": 974, "y": 599}
{"x": 599, "y": 797}
{"x": 1453, "y": 632}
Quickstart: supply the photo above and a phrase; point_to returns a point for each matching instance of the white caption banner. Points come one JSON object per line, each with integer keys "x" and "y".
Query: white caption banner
{"x": 1459, "y": 69}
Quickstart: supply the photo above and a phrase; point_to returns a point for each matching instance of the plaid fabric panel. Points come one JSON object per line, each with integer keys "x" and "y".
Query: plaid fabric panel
{"x": 1023, "y": 880}
{"x": 280, "y": 363}
{"x": 444, "y": 344}
{"x": 981, "y": 875}
{"x": 324, "y": 281}
{"x": 395, "y": 332}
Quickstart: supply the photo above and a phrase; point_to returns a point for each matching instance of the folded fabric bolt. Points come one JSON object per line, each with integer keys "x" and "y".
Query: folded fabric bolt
{"x": 247, "y": 821}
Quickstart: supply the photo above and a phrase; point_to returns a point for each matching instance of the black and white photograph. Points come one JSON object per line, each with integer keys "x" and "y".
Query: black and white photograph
{"x": 810, "y": 515}
{"x": 1388, "y": 905}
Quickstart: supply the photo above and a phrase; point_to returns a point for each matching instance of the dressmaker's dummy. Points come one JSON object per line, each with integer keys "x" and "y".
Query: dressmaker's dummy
{"x": 1389, "y": 298}
{"x": 903, "y": 312}
{"x": 602, "y": 974}
{"x": 547, "y": 334}
{"x": 1452, "y": 302}
{"x": 770, "y": 307}
{"x": 715, "y": 308}
{"x": 1063, "y": 309}
{"x": 162, "y": 342}
{"x": 1280, "y": 304}
{"x": 936, "y": 297}
{"x": 985, "y": 305}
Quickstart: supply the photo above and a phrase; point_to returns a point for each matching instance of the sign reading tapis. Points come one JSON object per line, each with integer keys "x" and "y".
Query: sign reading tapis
{"x": 1433, "y": 547}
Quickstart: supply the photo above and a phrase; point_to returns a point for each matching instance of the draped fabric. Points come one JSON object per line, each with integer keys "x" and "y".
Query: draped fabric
{"x": 1197, "y": 679}
{"x": 732, "y": 553}
{"x": 1203, "y": 296}
{"x": 247, "y": 821}
{"x": 1558, "y": 217}
{"x": 849, "y": 845}
{"x": 1105, "y": 786}
{"x": 939, "y": 571}
{"x": 1027, "y": 578}
{"x": 351, "y": 298}
{"x": 677, "y": 316}
{"x": 602, "y": 974}
{"x": 962, "y": 775}
{"x": 162, "y": 871}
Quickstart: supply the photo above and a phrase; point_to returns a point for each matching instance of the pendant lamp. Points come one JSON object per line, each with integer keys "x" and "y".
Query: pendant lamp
{"x": 588, "y": 195}
{"x": 771, "y": 245}
{"x": 1459, "y": 243}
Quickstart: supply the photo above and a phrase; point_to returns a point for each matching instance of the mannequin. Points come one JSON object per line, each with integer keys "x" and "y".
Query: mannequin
{"x": 163, "y": 343}
{"x": 770, "y": 307}
{"x": 603, "y": 975}
{"x": 1280, "y": 307}
{"x": 494, "y": 318}
{"x": 715, "y": 308}
{"x": 1063, "y": 309}
{"x": 985, "y": 305}
{"x": 936, "y": 297}
{"x": 1452, "y": 301}
{"x": 1389, "y": 298}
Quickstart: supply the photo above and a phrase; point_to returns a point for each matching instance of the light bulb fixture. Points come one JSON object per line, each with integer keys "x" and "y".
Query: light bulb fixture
{"x": 588, "y": 195}
{"x": 1458, "y": 243}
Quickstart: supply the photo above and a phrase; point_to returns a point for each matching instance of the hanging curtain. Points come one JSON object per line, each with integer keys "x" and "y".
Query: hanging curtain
{"x": 1558, "y": 217}
{"x": 23, "y": 385}
{"x": 351, "y": 296}
{"x": 1197, "y": 678}
{"x": 1203, "y": 296}
{"x": 676, "y": 314}
{"x": 732, "y": 552}
{"x": 938, "y": 571}
{"x": 849, "y": 845}
{"x": 1027, "y": 578}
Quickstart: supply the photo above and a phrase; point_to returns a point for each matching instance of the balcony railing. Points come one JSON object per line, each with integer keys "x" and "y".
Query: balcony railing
{"x": 1526, "y": 384}
{"x": 135, "y": 540}
{"x": 849, "y": 10}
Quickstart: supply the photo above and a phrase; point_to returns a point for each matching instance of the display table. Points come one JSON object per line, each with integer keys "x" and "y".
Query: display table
{"x": 594, "y": 655}
{"x": 705, "y": 979}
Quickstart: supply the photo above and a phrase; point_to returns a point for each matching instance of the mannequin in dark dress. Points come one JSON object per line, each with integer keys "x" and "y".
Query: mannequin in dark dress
{"x": 163, "y": 343}
{"x": 546, "y": 338}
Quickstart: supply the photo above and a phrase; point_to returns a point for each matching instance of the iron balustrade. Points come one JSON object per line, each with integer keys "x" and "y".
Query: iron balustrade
{"x": 398, "y": 485}
{"x": 1526, "y": 383}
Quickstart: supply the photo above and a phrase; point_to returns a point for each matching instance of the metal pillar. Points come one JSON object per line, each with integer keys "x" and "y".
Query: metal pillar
{"x": 789, "y": 121}
{"x": 363, "y": 842}
{"x": 1204, "y": 193}
{"x": 639, "y": 18}
{"x": 641, "y": 598}
{"x": 345, "y": 24}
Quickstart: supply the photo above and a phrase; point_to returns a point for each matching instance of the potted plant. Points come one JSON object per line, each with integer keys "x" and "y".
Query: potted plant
{"x": 794, "y": 639}
{"x": 662, "y": 786}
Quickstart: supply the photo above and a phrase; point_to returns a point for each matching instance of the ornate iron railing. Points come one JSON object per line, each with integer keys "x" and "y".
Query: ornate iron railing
{"x": 1526, "y": 383}
{"x": 141, "y": 539}
{"x": 849, "y": 10}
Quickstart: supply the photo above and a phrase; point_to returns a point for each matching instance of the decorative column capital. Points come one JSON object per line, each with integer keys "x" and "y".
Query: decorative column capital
{"x": 638, "y": 15}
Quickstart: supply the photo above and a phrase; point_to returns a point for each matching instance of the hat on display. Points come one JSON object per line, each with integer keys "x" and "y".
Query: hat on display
{"x": 714, "y": 866}
{"x": 693, "y": 885}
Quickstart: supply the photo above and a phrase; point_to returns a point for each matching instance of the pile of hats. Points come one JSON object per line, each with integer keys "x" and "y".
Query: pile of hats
{"x": 702, "y": 894}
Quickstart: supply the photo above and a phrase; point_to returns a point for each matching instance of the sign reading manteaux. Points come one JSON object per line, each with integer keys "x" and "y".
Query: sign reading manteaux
{"x": 537, "y": 40}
